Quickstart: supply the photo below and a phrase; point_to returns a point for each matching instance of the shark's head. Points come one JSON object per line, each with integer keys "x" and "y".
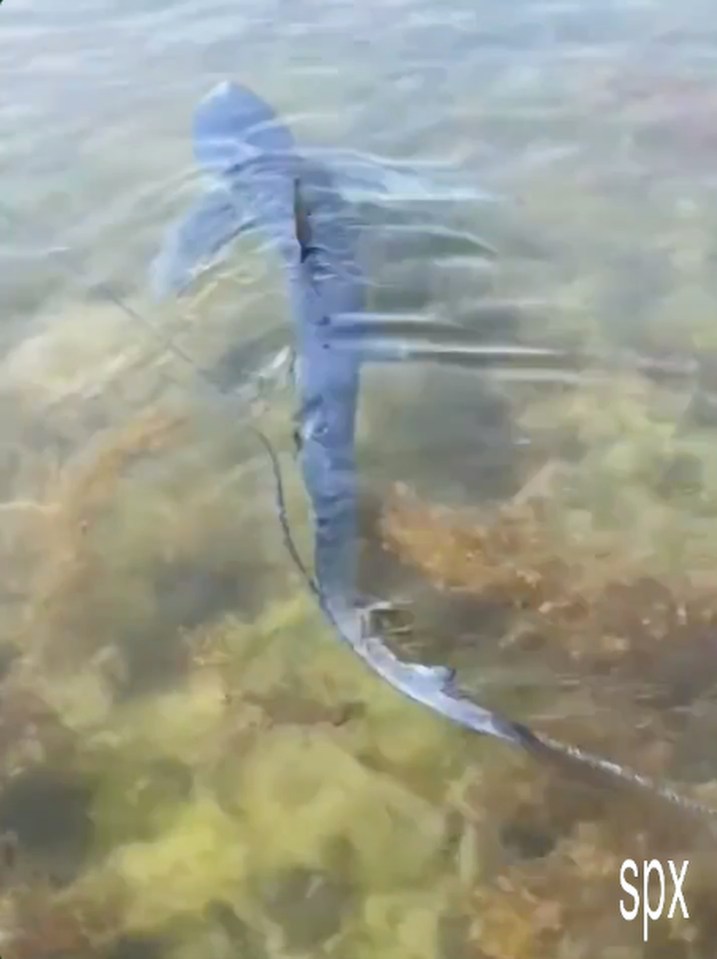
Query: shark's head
{"x": 233, "y": 128}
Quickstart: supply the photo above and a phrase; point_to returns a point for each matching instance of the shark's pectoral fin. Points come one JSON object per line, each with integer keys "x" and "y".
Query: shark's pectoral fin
{"x": 367, "y": 179}
{"x": 195, "y": 242}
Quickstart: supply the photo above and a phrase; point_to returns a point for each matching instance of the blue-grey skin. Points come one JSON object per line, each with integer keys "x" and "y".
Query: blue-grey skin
{"x": 264, "y": 183}
{"x": 293, "y": 204}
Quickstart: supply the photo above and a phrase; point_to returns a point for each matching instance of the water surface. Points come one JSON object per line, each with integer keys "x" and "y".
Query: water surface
{"x": 191, "y": 764}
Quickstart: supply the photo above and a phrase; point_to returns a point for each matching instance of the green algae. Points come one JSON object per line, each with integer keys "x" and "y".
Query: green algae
{"x": 267, "y": 793}
{"x": 157, "y": 885}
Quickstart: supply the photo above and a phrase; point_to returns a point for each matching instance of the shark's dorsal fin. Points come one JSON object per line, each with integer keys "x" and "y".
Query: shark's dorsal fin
{"x": 301, "y": 221}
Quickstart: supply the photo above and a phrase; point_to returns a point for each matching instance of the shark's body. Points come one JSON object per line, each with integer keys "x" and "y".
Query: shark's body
{"x": 263, "y": 182}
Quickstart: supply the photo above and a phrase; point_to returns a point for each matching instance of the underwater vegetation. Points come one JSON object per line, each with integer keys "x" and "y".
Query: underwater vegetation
{"x": 193, "y": 765}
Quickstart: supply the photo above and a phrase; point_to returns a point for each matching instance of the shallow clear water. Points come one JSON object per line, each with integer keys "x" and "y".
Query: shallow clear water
{"x": 191, "y": 764}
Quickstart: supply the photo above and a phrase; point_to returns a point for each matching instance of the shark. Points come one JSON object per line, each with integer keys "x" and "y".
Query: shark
{"x": 262, "y": 181}
{"x": 295, "y": 199}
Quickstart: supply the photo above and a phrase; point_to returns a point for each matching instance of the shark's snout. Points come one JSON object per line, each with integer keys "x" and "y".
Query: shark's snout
{"x": 233, "y": 127}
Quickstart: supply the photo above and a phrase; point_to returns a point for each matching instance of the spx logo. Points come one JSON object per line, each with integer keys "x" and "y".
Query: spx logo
{"x": 651, "y": 869}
